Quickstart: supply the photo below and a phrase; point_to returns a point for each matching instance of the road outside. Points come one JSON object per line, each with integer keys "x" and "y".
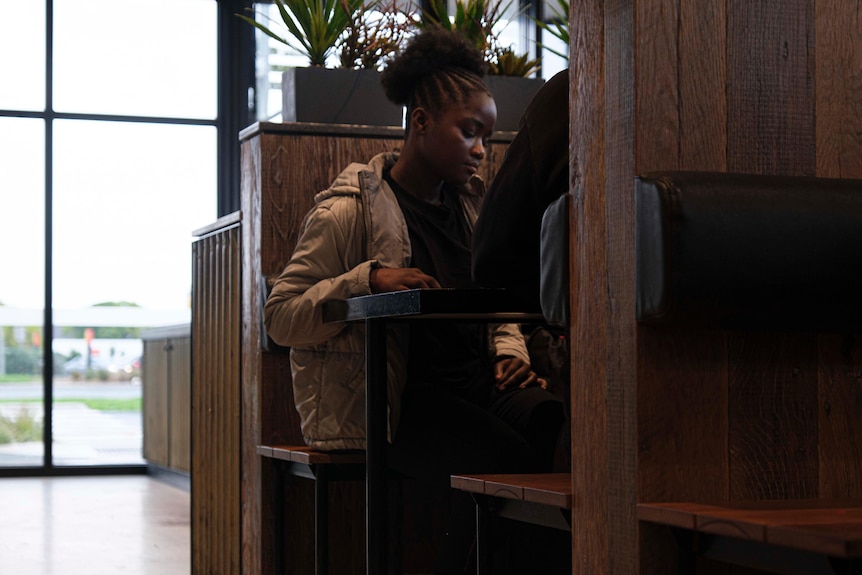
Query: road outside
{"x": 83, "y": 435}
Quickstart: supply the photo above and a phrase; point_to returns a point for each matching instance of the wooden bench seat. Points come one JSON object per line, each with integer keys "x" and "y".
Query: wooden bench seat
{"x": 553, "y": 489}
{"x": 541, "y": 499}
{"x": 320, "y": 467}
{"x": 779, "y": 536}
{"x": 310, "y": 456}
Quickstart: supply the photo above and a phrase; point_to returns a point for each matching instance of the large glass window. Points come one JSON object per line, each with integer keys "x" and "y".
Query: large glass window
{"x": 125, "y": 203}
{"x": 127, "y": 160}
{"x": 22, "y": 55}
{"x": 22, "y": 295}
{"x": 135, "y": 57}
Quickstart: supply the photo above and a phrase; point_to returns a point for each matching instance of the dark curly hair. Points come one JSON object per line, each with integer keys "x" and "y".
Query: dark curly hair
{"x": 435, "y": 69}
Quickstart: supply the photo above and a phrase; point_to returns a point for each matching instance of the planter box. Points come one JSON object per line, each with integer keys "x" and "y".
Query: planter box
{"x": 512, "y": 95}
{"x": 337, "y": 96}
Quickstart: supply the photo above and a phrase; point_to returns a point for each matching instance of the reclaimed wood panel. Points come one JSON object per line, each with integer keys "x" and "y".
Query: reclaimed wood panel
{"x": 282, "y": 171}
{"x": 591, "y": 527}
{"x": 284, "y": 166}
{"x": 838, "y": 77}
{"x": 773, "y": 416}
{"x": 770, "y": 87}
{"x": 681, "y": 122}
{"x": 839, "y": 421}
{"x": 765, "y": 86}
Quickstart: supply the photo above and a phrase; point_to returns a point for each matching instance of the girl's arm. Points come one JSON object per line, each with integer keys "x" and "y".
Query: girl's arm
{"x": 327, "y": 264}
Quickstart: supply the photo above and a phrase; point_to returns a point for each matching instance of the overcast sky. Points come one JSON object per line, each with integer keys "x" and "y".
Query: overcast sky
{"x": 127, "y": 196}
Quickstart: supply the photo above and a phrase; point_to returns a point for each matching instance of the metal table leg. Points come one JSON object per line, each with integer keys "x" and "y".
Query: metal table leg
{"x": 376, "y": 512}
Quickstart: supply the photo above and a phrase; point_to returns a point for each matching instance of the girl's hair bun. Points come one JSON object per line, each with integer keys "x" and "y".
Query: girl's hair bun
{"x": 432, "y": 51}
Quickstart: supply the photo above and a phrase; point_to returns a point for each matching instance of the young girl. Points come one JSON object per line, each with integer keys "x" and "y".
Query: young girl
{"x": 463, "y": 398}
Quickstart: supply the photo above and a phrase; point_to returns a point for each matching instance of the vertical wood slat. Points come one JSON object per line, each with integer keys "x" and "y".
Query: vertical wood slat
{"x": 179, "y": 375}
{"x": 838, "y": 416}
{"x": 772, "y": 416}
{"x": 838, "y": 75}
{"x": 154, "y": 367}
{"x": 591, "y": 527}
{"x": 215, "y": 414}
{"x": 771, "y": 87}
{"x": 762, "y": 86}
{"x": 166, "y": 377}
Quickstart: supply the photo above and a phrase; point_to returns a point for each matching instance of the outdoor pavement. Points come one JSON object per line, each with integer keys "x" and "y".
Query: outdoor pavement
{"x": 82, "y": 436}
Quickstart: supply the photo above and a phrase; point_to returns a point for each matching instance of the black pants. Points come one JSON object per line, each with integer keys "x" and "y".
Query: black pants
{"x": 441, "y": 434}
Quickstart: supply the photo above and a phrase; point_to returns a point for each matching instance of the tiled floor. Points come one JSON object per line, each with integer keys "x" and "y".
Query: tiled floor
{"x": 129, "y": 525}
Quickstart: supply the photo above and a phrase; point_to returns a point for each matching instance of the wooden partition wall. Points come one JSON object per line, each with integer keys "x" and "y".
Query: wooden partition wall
{"x": 283, "y": 167}
{"x": 215, "y": 399}
{"x": 756, "y": 86}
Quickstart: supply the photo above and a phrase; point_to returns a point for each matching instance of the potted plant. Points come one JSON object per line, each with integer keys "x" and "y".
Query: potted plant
{"x": 363, "y": 35}
{"x": 508, "y": 73}
{"x": 558, "y": 27}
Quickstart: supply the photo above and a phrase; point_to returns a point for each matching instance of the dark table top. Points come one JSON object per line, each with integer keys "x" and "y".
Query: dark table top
{"x": 495, "y": 305}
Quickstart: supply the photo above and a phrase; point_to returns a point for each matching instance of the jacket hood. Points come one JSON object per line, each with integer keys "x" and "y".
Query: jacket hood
{"x": 347, "y": 183}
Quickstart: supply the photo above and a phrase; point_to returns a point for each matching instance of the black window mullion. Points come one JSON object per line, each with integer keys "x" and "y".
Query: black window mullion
{"x": 236, "y": 107}
{"x": 48, "y": 325}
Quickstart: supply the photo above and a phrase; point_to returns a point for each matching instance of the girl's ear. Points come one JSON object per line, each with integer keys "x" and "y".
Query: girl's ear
{"x": 419, "y": 119}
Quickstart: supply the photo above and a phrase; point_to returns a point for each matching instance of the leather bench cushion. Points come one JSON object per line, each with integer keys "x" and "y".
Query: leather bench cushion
{"x": 730, "y": 251}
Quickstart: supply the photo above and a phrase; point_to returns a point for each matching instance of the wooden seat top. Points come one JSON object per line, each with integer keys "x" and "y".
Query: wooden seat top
{"x": 828, "y": 527}
{"x": 311, "y": 456}
{"x": 553, "y": 489}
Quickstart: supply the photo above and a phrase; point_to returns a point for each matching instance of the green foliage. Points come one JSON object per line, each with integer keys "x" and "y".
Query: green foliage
{"x": 473, "y": 19}
{"x": 99, "y": 404}
{"x": 313, "y": 26}
{"x": 478, "y": 20}
{"x": 507, "y": 63}
{"x": 16, "y": 378}
{"x": 104, "y": 332}
{"x": 558, "y": 28}
{"x": 22, "y": 427}
{"x": 23, "y": 360}
{"x": 104, "y": 404}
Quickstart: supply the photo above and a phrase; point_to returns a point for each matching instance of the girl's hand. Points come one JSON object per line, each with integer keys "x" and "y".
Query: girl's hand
{"x": 395, "y": 279}
{"x": 515, "y": 373}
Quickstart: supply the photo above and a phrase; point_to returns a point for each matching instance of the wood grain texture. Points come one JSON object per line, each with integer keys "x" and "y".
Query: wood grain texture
{"x": 590, "y": 473}
{"x": 180, "y": 403}
{"x": 286, "y": 171}
{"x": 838, "y": 76}
{"x": 770, "y": 77}
{"x": 840, "y": 416}
{"x": 772, "y": 412}
{"x": 826, "y": 527}
{"x": 215, "y": 408}
{"x": 620, "y": 307}
{"x": 702, "y": 85}
{"x": 716, "y": 85}
{"x": 682, "y": 416}
{"x": 154, "y": 371}
{"x": 682, "y": 428}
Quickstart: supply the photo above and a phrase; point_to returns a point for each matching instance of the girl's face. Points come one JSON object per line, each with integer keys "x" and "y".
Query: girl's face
{"x": 455, "y": 140}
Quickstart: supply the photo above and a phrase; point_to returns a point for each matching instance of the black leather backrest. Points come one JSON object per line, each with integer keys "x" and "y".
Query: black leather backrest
{"x": 554, "y": 262}
{"x": 717, "y": 250}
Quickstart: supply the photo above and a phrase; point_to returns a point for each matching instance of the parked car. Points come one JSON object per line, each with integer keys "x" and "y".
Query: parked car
{"x": 102, "y": 368}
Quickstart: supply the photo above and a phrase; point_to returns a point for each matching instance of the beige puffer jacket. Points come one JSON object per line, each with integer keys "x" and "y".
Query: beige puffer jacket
{"x": 355, "y": 224}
